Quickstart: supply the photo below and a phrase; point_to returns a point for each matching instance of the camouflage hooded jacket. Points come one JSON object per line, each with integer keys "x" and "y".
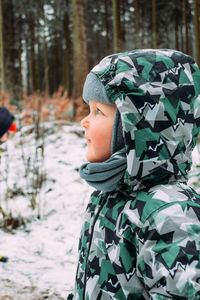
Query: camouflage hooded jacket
{"x": 142, "y": 241}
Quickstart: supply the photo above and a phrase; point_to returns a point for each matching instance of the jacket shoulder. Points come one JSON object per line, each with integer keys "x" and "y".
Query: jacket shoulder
{"x": 168, "y": 250}
{"x": 162, "y": 197}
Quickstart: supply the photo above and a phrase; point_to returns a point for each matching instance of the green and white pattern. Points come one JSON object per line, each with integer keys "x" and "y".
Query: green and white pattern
{"x": 142, "y": 241}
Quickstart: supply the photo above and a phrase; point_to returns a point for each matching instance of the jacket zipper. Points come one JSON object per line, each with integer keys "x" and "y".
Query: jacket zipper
{"x": 90, "y": 241}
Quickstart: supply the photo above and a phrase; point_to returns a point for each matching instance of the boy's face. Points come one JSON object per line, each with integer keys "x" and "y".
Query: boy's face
{"x": 98, "y": 130}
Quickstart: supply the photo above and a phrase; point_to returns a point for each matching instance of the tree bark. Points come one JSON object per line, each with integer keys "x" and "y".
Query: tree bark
{"x": 32, "y": 42}
{"x": 122, "y": 26}
{"x": 176, "y": 27}
{"x": 39, "y": 64}
{"x": 20, "y": 57}
{"x": 185, "y": 9}
{"x": 154, "y": 19}
{"x": 116, "y": 26}
{"x": 2, "y": 49}
{"x": 67, "y": 78}
{"x": 55, "y": 82}
{"x": 106, "y": 24}
{"x": 197, "y": 32}
{"x": 46, "y": 66}
{"x": 81, "y": 67}
{"x": 137, "y": 38}
{"x": 28, "y": 68}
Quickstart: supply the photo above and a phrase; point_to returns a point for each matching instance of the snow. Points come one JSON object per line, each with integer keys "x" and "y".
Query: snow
{"x": 43, "y": 254}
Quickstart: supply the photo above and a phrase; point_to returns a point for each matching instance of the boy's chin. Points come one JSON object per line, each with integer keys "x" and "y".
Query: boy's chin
{"x": 96, "y": 159}
{"x": 90, "y": 158}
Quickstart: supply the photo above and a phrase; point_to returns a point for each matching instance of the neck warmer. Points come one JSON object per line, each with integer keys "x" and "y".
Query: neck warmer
{"x": 105, "y": 176}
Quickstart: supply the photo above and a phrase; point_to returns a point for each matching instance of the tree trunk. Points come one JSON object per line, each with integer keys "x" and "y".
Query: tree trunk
{"x": 176, "y": 36}
{"x": 137, "y": 38}
{"x": 67, "y": 78}
{"x": 97, "y": 42}
{"x": 2, "y": 49}
{"x": 32, "y": 42}
{"x": 185, "y": 9}
{"x": 106, "y": 25}
{"x": 20, "y": 57}
{"x": 46, "y": 66}
{"x": 28, "y": 69}
{"x": 176, "y": 28}
{"x": 154, "y": 21}
{"x": 55, "y": 83}
{"x": 39, "y": 64}
{"x": 182, "y": 38}
{"x": 116, "y": 26}
{"x": 10, "y": 37}
{"x": 196, "y": 27}
{"x": 81, "y": 67}
{"x": 123, "y": 26}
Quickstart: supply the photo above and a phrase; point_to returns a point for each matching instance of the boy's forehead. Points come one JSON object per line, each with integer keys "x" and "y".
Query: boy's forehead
{"x": 95, "y": 103}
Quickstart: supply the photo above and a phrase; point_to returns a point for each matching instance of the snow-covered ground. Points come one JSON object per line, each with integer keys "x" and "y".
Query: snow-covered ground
{"x": 43, "y": 254}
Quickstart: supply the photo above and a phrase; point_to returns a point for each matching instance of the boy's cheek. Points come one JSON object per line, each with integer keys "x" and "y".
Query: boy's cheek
{"x": 99, "y": 140}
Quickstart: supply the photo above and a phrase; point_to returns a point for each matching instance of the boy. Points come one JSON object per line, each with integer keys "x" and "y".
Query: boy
{"x": 141, "y": 235}
{"x": 6, "y": 125}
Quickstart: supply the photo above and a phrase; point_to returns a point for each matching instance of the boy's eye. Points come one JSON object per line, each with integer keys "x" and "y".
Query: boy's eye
{"x": 99, "y": 112}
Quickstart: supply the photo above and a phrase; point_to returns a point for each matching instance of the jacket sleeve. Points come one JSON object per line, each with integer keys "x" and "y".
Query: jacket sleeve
{"x": 168, "y": 260}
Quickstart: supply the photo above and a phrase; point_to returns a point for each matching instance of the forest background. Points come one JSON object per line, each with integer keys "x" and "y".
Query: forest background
{"x": 47, "y": 47}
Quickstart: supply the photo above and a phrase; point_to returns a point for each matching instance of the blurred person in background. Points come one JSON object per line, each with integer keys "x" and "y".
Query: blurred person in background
{"x": 7, "y": 126}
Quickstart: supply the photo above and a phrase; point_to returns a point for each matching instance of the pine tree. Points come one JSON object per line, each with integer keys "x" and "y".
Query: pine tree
{"x": 80, "y": 60}
{"x": 2, "y": 49}
{"x": 197, "y": 32}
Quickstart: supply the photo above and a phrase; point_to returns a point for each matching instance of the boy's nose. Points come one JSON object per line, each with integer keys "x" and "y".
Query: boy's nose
{"x": 85, "y": 122}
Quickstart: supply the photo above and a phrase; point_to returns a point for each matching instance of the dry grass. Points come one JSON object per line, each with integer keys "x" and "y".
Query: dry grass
{"x": 10, "y": 290}
{"x": 55, "y": 107}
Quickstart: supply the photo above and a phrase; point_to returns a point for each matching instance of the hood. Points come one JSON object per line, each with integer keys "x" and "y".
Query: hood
{"x": 157, "y": 93}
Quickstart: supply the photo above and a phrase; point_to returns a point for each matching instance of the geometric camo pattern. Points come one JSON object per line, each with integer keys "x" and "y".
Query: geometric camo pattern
{"x": 143, "y": 246}
{"x": 142, "y": 241}
{"x": 157, "y": 93}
